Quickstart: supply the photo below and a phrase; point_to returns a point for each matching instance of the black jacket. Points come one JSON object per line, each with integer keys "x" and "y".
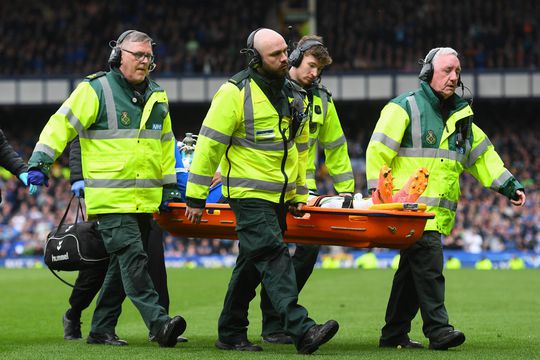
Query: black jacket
{"x": 75, "y": 165}
{"x": 9, "y": 159}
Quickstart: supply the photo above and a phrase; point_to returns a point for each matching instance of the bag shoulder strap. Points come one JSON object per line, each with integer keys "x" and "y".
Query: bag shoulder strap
{"x": 59, "y": 278}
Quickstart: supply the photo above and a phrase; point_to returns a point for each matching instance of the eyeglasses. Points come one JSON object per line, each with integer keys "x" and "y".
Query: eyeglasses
{"x": 139, "y": 56}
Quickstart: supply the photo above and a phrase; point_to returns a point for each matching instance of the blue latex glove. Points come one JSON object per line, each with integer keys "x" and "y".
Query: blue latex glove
{"x": 33, "y": 188}
{"x": 37, "y": 177}
{"x": 24, "y": 178}
{"x": 78, "y": 188}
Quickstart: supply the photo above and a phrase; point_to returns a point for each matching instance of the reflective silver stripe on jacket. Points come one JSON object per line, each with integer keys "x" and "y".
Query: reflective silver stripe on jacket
{"x": 478, "y": 151}
{"x": 109, "y": 103}
{"x": 249, "y": 118}
{"x": 166, "y": 137}
{"x": 433, "y": 153}
{"x": 199, "y": 179}
{"x": 123, "y": 183}
{"x": 310, "y": 174}
{"x": 337, "y": 178}
{"x": 271, "y": 146}
{"x": 438, "y": 202}
{"x": 258, "y": 184}
{"x": 499, "y": 182}
{"x": 302, "y": 190}
{"x": 386, "y": 141}
{"x": 301, "y": 146}
{"x": 334, "y": 144}
{"x": 73, "y": 120}
{"x": 45, "y": 149}
{"x": 120, "y": 134}
{"x": 169, "y": 179}
{"x": 215, "y": 135}
{"x": 416, "y": 125}
{"x": 324, "y": 100}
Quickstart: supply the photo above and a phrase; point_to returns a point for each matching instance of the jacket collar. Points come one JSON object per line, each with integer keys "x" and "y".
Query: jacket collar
{"x": 454, "y": 102}
{"x": 271, "y": 87}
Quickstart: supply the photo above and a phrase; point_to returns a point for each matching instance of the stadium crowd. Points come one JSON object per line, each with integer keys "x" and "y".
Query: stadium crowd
{"x": 485, "y": 221}
{"x": 195, "y": 37}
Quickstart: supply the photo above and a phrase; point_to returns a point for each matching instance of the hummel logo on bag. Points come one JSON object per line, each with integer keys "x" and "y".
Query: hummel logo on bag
{"x": 59, "y": 245}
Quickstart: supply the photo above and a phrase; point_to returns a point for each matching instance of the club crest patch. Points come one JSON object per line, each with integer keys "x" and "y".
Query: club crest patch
{"x": 431, "y": 138}
{"x": 124, "y": 118}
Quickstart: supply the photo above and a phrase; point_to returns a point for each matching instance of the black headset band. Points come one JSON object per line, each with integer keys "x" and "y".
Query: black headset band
{"x": 306, "y": 45}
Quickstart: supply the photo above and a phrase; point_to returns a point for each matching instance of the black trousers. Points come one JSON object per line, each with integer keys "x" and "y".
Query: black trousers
{"x": 304, "y": 259}
{"x": 418, "y": 285}
{"x": 89, "y": 281}
{"x": 262, "y": 258}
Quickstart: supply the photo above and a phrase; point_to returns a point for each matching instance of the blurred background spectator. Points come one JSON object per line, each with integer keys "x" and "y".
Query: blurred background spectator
{"x": 204, "y": 37}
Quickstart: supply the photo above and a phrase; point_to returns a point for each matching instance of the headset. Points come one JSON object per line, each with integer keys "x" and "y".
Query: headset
{"x": 426, "y": 73}
{"x": 254, "y": 59}
{"x": 296, "y": 56}
{"x": 116, "y": 52}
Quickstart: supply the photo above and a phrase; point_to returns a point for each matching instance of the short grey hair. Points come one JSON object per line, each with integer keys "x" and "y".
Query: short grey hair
{"x": 442, "y": 51}
{"x": 137, "y": 36}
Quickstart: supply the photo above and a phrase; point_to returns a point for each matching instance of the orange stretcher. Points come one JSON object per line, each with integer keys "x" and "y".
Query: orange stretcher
{"x": 394, "y": 226}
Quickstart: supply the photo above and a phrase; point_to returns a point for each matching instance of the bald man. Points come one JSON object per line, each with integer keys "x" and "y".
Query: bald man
{"x": 255, "y": 128}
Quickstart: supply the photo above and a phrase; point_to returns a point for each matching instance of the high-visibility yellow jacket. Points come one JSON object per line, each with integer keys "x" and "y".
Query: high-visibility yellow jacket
{"x": 366, "y": 261}
{"x": 411, "y": 133}
{"x": 453, "y": 264}
{"x": 516, "y": 263}
{"x": 248, "y": 128}
{"x": 325, "y": 127}
{"x": 483, "y": 264}
{"x": 127, "y": 149}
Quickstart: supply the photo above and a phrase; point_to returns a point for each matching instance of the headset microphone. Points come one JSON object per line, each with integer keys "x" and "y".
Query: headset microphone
{"x": 289, "y": 43}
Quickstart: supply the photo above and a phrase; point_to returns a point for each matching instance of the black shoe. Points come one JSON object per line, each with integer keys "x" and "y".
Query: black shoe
{"x": 447, "y": 339}
{"x": 277, "y": 338}
{"x": 316, "y": 336}
{"x": 179, "y": 339}
{"x": 72, "y": 328}
{"x": 174, "y": 327}
{"x": 105, "y": 339}
{"x": 400, "y": 343}
{"x": 243, "y": 345}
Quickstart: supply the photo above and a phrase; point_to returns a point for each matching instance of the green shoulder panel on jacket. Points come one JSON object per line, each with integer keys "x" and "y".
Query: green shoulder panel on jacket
{"x": 238, "y": 78}
{"x": 320, "y": 89}
{"x": 154, "y": 86}
{"x": 96, "y": 75}
{"x": 401, "y": 99}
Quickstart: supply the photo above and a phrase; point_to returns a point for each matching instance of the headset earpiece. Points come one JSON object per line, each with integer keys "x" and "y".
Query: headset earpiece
{"x": 426, "y": 73}
{"x": 116, "y": 52}
{"x": 296, "y": 56}
{"x": 254, "y": 59}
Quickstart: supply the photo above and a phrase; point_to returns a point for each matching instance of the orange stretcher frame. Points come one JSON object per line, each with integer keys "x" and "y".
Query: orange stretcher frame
{"x": 396, "y": 229}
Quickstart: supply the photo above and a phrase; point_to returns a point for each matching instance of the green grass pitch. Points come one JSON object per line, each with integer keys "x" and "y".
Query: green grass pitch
{"x": 499, "y": 311}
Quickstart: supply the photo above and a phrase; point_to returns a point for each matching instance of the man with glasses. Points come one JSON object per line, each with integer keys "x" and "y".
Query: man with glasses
{"x": 127, "y": 148}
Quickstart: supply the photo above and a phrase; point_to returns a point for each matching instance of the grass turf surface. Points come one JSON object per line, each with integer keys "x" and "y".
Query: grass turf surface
{"x": 499, "y": 312}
